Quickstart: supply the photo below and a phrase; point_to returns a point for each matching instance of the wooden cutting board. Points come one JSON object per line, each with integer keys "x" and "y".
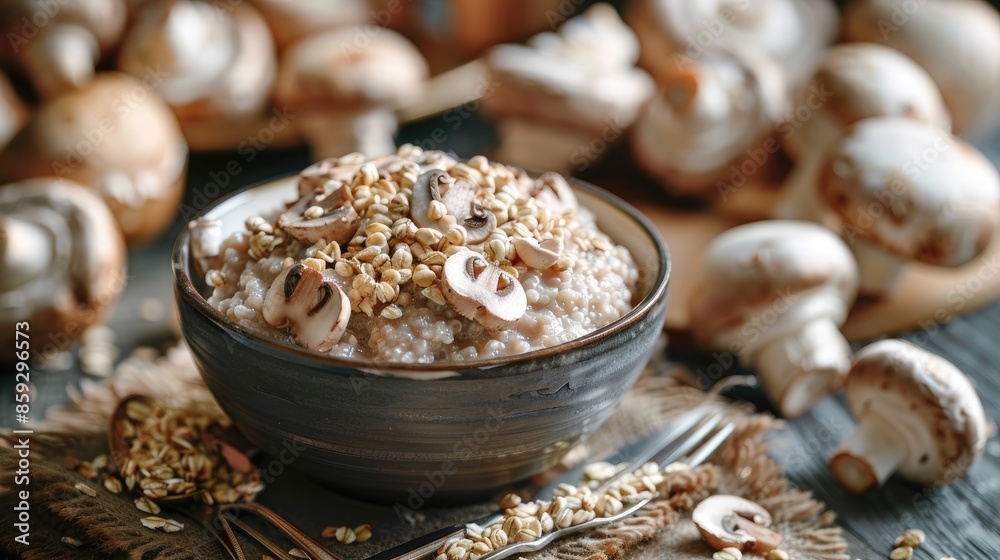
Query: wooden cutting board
{"x": 927, "y": 297}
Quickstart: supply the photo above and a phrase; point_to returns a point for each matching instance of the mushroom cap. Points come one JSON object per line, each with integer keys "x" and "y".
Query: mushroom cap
{"x": 957, "y": 42}
{"x": 350, "y": 67}
{"x": 13, "y": 112}
{"x": 726, "y": 521}
{"x": 215, "y": 63}
{"x": 913, "y": 189}
{"x": 69, "y": 237}
{"x": 311, "y": 305}
{"x": 291, "y": 20}
{"x": 783, "y": 273}
{"x": 581, "y": 77}
{"x": 793, "y": 33}
{"x": 706, "y": 116}
{"x": 927, "y": 400}
{"x": 115, "y": 137}
{"x": 861, "y": 80}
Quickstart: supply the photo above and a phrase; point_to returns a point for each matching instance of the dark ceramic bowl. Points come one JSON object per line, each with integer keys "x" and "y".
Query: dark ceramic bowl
{"x": 418, "y": 433}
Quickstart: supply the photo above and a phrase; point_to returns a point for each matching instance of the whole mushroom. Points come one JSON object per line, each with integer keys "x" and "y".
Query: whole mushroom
{"x": 957, "y": 42}
{"x": 564, "y": 98}
{"x": 793, "y": 33}
{"x": 115, "y": 137}
{"x": 62, "y": 261}
{"x": 58, "y": 44}
{"x": 909, "y": 191}
{"x": 707, "y": 116}
{"x": 726, "y": 521}
{"x": 346, "y": 92}
{"x": 211, "y": 64}
{"x": 918, "y": 416}
{"x": 853, "y": 82}
{"x": 774, "y": 293}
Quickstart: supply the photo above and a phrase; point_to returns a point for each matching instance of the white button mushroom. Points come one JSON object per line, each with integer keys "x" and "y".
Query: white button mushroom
{"x": 853, "y": 82}
{"x": 957, "y": 42}
{"x": 458, "y": 195}
{"x": 336, "y": 220}
{"x": 115, "y": 137}
{"x": 62, "y": 53}
{"x": 726, "y": 521}
{"x": 793, "y": 33}
{"x": 62, "y": 261}
{"x": 906, "y": 191}
{"x": 217, "y": 64}
{"x": 706, "y": 117}
{"x": 313, "y": 307}
{"x": 565, "y": 97}
{"x": 918, "y": 416}
{"x": 482, "y": 291}
{"x": 774, "y": 293}
{"x": 345, "y": 91}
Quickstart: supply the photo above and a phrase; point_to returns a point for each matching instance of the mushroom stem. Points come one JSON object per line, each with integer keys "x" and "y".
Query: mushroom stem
{"x": 878, "y": 271}
{"x": 24, "y": 252}
{"x": 866, "y": 459}
{"x": 805, "y": 366}
{"x": 800, "y": 199}
{"x": 63, "y": 58}
{"x": 335, "y": 133}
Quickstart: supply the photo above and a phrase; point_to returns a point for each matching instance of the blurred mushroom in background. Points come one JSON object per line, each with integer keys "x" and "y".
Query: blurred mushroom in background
{"x": 58, "y": 44}
{"x": 854, "y": 81}
{"x": 13, "y": 112}
{"x": 62, "y": 260}
{"x": 565, "y": 97}
{"x": 709, "y": 113}
{"x": 114, "y": 136}
{"x": 792, "y": 32}
{"x": 212, "y": 64}
{"x": 291, "y": 20}
{"x": 956, "y": 41}
{"x": 345, "y": 85}
{"x": 909, "y": 191}
{"x": 775, "y": 294}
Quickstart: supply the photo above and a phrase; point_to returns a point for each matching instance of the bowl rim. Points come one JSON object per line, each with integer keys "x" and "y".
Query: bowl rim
{"x": 313, "y": 358}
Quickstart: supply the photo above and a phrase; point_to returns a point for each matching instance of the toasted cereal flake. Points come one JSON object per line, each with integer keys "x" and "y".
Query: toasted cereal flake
{"x": 84, "y": 489}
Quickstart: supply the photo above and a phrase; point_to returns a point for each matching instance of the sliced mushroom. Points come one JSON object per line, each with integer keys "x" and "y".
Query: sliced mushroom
{"x": 459, "y": 197}
{"x": 481, "y": 291}
{"x": 338, "y": 222}
{"x": 311, "y": 306}
{"x": 205, "y": 243}
{"x": 554, "y": 193}
{"x": 733, "y": 522}
{"x": 538, "y": 255}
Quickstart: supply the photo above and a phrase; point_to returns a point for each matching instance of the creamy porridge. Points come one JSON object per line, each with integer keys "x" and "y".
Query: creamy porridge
{"x": 418, "y": 258}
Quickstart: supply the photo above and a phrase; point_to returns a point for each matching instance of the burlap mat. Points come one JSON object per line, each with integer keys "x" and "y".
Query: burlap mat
{"x": 108, "y": 525}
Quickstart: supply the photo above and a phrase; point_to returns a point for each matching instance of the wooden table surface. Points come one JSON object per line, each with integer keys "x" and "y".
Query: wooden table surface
{"x": 960, "y": 520}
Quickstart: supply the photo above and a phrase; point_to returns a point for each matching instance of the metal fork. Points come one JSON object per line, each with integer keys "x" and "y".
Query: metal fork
{"x": 669, "y": 442}
{"x": 695, "y": 459}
